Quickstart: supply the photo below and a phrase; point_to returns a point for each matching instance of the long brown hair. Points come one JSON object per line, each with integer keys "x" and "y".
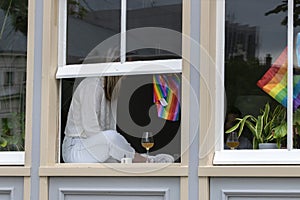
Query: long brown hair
{"x": 111, "y": 86}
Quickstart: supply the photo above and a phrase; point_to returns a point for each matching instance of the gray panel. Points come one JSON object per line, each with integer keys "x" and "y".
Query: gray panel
{"x": 36, "y": 98}
{"x": 254, "y": 188}
{"x": 117, "y": 194}
{"x": 262, "y": 198}
{"x": 80, "y": 197}
{"x": 5, "y": 197}
{"x": 6, "y": 193}
{"x": 114, "y": 188}
{"x": 194, "y": 99}
{"x": 11, "y": 188}
{"x": 112, "y": 195}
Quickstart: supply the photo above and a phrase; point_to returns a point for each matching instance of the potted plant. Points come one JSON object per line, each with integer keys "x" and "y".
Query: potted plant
{"x": 268, "y": 127}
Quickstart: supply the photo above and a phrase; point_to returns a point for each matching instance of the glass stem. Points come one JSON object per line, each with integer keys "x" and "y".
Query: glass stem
{"x": 147, "y": 156}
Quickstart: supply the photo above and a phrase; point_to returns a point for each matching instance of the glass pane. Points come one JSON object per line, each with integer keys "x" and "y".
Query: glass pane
{"x": 90, "y": 23}
{"x": 255, "y": 53}
{"x": 13, "y": 56}
{"x": 137, "y": 111}
{"x": 156, "y": 43}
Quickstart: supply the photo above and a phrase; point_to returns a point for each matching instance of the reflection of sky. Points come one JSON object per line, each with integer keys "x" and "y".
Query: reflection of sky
{"x": 271, "y": 34}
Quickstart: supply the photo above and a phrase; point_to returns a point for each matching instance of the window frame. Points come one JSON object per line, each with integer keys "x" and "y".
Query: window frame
{"x": 50, "y": 113}
{"x": 251, "y": 157}
{"x": 106, "y": 69}
{"x": 17, "y": 163}
{"x": 112, "y": 68}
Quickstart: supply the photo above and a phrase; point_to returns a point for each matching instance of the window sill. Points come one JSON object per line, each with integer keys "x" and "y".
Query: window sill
{"x": 114, "y": 169}
{"x": 257, "y": 157}
{"x": 253, "y": 163}
{"x": 14, "y": 171}
{"x": 115, "y": 69}
{"x": 12, "y": 158}
{"x": 249, "y": 171}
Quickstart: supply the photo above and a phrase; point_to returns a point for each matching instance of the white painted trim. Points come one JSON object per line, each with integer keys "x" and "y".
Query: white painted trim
{"x": 59, "y": 122}
{"x": 261, "y": 156}
{"x": 290, "y": 42}
{"x": 62, "y": 32}
{"x": 227, "y": 194}
{"x": 165, "y": 192}
{"x": 123, "y": 30}
{"x": 249, "y": 156}
{"x": 114, "y": 69}
{"x": 12, "y": 158}
{"x": 220, "y": 89}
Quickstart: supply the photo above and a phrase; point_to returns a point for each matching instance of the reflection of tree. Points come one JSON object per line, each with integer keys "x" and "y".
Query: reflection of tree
{"x": 242, "y": 76}
{"x": 76, "y": 9}
{"x": 13, "y": 133}
{"x": 18, "y": 12}
{"x": 282, "y": 8}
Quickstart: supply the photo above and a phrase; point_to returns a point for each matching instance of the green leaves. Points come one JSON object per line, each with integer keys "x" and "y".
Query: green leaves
{"x": 268, "y": 126}
{"x": 235, "y": 126}
{"x": 280, "y": 131}
{"x": 259, "y": 128}
{"x": 240, "y": 124}
{"x": 13, "y": 133}
{"x": 3, "y": 142}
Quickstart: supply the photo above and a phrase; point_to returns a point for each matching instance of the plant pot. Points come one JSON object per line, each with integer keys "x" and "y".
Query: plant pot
{"x": 267, "y": 146}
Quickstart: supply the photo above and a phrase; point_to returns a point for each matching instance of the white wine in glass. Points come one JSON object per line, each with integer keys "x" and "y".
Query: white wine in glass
{"x": 147, "y": 142}
{"x": 232, "y": 140}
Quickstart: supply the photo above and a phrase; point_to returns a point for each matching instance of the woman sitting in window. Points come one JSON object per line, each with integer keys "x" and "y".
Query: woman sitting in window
{"x": 90, "y": 133}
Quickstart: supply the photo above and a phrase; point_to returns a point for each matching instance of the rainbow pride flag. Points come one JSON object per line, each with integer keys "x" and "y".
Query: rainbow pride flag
{"x": 166, "y": 96}
{"x": 274, "y": 82}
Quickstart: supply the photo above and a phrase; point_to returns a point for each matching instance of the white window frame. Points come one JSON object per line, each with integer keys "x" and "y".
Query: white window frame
{"x": 111, "y": 68}
{"x": 274, "y": 156}
{"x": 108, "y": 69}
{"x": 17, "y": 158}
{"x": 12, "y": 158}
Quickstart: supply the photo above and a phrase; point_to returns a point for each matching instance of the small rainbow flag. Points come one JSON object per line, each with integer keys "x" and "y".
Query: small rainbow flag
{"x": 166, "y": 95}
{"x": 274, "y": 82}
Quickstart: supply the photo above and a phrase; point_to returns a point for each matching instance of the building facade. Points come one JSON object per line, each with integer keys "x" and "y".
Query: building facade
{"x": 218, "y": 49}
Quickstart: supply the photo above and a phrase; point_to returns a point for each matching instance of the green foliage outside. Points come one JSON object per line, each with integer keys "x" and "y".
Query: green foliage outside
{"x": 13, "y": 133}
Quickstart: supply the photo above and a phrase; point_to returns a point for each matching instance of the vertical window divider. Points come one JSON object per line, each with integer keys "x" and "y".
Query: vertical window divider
{"x": 123, "y": 31}
{"x": 220, "y": 75}
{"x": 62, "y": 34}
{"x": 290, "y": 42}
{"x": 59, "y": 121}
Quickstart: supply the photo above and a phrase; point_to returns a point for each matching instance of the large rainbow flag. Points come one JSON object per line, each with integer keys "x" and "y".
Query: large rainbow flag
{"x": 274, "y": 82}
{"x": 166, "y": 96}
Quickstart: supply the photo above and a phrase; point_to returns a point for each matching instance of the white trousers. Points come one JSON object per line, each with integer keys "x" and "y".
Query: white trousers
{"x": 107, "y": 146}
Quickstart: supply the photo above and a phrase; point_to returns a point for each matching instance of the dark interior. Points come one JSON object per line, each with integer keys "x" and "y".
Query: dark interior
{"x": 139, "y": 103}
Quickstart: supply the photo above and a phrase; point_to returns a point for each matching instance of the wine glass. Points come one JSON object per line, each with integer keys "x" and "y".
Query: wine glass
{"x": 147, "y": 142}
{"x": 232, "y": 140}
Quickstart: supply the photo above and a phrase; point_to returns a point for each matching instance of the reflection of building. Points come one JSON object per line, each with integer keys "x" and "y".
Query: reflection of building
{"x": 99, "y": 25}
{"x": 12, "y": 87}
{"x": 241, "y": 40}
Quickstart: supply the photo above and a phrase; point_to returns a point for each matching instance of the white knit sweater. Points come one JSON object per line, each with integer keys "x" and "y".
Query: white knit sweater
{"x": 90, "y": 112}
{"x": 93, "y": 118}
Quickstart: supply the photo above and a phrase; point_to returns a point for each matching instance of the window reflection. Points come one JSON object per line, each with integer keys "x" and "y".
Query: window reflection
{"x": 91, "y": 22}
{"x": 253, "y": 42}
{"x": 154, "y": 13}
{"x": 13, "y": 48}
